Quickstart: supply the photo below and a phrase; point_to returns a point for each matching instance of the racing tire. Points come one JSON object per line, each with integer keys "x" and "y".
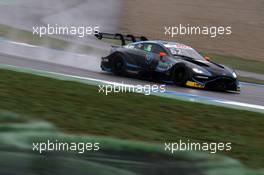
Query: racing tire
{"x": 118, "y": 65}
{"x": 180, "y": 75}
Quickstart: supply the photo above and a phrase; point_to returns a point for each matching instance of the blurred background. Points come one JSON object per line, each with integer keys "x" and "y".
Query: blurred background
{"x": 47, "y": 90}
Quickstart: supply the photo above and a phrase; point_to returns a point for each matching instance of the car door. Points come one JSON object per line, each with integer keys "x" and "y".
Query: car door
{"x": 145, "y": 56}
{"x": 152, "y": 57}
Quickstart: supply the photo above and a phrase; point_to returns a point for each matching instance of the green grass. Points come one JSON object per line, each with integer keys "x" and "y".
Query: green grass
{"x": 250, "y": 80}
{"x": 79, "y": 108}
{"x": 239, "y": 63}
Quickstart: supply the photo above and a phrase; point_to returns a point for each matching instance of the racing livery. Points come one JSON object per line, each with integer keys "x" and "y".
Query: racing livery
{"x": 169, "y": 61}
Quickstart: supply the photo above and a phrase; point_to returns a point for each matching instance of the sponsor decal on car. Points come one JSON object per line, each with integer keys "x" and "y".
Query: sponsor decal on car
{"x": 194, "y": 84}
{"x": 149, "y": 57}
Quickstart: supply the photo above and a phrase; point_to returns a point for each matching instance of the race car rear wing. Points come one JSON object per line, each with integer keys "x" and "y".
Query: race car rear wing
{"x": 121, "y": 37}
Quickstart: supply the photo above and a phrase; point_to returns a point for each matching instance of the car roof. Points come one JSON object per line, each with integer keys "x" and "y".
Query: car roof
{"x": 151, "y": 41}
{"x": 163, "y": 43}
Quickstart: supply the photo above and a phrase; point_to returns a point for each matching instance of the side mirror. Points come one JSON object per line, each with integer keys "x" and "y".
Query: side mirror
{"x": 162, "y": 54}
{"x": 207, "y": 58}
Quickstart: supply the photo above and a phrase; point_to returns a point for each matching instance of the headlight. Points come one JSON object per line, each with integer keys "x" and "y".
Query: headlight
{"x": 234, "y": 75}
{"x": 196, "y": 70}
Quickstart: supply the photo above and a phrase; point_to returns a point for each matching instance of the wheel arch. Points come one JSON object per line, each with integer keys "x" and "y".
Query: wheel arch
{"x": 178, "y": 65}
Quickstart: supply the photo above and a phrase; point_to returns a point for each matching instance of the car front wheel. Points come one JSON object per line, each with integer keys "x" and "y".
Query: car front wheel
{"x": 180, "y": 75}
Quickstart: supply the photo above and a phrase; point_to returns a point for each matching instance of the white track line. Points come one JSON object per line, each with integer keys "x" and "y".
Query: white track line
{"x": 189, "y": 97}
{"x": 226, "y": 102}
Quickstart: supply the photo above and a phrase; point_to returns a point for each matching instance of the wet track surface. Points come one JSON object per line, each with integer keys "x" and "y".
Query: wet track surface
{"x": 252, "y": 94}
{"x": 25, "y": 14}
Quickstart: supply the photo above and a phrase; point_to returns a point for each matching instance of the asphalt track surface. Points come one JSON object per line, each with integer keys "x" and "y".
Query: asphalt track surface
{"x": 27, "y": 13}
{"x": 250, "y": 93}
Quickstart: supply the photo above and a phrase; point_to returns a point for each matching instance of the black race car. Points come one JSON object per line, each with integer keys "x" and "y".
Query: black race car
{"x": 170, "y": 61}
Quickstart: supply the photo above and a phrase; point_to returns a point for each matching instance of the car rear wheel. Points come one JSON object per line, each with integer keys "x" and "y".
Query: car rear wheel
{"x": 118, "y": 66}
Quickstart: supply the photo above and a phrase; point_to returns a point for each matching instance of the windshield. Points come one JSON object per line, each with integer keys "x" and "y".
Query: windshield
{"x": 183, "y": 50}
